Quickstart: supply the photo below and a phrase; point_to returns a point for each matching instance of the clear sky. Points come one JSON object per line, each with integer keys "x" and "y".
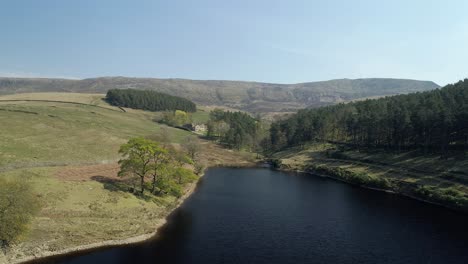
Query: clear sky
{"x": 266, "y": 40}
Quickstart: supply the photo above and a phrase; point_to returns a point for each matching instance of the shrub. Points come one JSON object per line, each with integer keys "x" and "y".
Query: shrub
{"x": 199, "y": 168}
{"x": 168, "y": 186}
{"x": 18, "y": 205}
{"x": 450, "y": 196}
{"x": 276, "y": 163}
{"x": 352, "y": 177}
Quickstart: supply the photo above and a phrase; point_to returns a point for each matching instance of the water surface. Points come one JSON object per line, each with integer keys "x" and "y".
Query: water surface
{"x": 264, "y": 216}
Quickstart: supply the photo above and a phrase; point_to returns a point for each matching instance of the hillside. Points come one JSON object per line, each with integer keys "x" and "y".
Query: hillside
{"x": 66, "y": 146}
{"x": 432, "y": 121}
{"x": 413, "y": 144}
{"x": 249, "y": 96}
{"x": 423, "y": 177}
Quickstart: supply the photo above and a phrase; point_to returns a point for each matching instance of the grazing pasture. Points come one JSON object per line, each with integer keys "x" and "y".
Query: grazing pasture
{"x": 68, "y": 152}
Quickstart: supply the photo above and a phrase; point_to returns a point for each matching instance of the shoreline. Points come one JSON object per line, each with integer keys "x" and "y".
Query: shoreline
{"x": 189, "y": 191}
{"x": 114, "y": 242}
{"x": 403, "y": 194}
{"x": 131, "y": 240}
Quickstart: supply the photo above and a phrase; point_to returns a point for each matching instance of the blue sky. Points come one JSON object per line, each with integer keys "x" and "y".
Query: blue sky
{"x": 266, "y": 40}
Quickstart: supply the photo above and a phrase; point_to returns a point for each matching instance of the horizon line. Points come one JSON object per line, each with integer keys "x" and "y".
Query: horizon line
{"x": 188, "y": 79}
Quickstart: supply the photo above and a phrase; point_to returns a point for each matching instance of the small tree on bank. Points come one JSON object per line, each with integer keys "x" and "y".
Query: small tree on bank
{"x": 160, "y": 160}
{"x": 144, "y": 158}
{"x": 18, "y": 205}
{"x": 191, "y": 145}
{"x": 138, "y": 154}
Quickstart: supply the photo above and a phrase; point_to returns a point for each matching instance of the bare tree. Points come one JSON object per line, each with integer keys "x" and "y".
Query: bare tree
{"x": 191, "y": 145}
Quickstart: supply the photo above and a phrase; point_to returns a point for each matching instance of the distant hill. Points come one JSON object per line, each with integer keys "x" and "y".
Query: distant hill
{"x": 249, "y": 96}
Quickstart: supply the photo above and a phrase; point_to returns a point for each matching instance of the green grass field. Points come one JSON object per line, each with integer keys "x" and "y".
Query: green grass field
{"x": 44, "y": 133}
{"x": 83, "y": 212}
{"x": 202, "y": 116}
{"x": 38, "y": 140}
{"x": 68, "y": 153}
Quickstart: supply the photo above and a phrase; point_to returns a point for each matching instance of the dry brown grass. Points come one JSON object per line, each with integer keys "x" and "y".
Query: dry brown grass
{"x": 86, "y": 173}
{"x": 93, "y": 99}
{"x": 213, "y": 155}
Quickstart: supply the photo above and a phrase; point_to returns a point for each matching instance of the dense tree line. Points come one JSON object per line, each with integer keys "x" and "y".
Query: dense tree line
{"x": 235, "y": 129}
{"x": 148, "y": 100}
{"x": 433, "y": 121}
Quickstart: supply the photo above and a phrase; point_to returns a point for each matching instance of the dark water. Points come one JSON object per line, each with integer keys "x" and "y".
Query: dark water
{"x": 265, "y": 216}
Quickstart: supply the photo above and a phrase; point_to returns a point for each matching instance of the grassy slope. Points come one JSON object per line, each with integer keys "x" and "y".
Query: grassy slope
{"x": 65, "y": 133}
{"x": 83, "y": 212}
{"x": 61, "y": 139}
{"x": 93, "y": 99}
{"x": 202, "y": 116}
{"x": 406, "y": 171}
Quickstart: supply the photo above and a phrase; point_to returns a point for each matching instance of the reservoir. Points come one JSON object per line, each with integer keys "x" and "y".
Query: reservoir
{"x": 258, "y": 215}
